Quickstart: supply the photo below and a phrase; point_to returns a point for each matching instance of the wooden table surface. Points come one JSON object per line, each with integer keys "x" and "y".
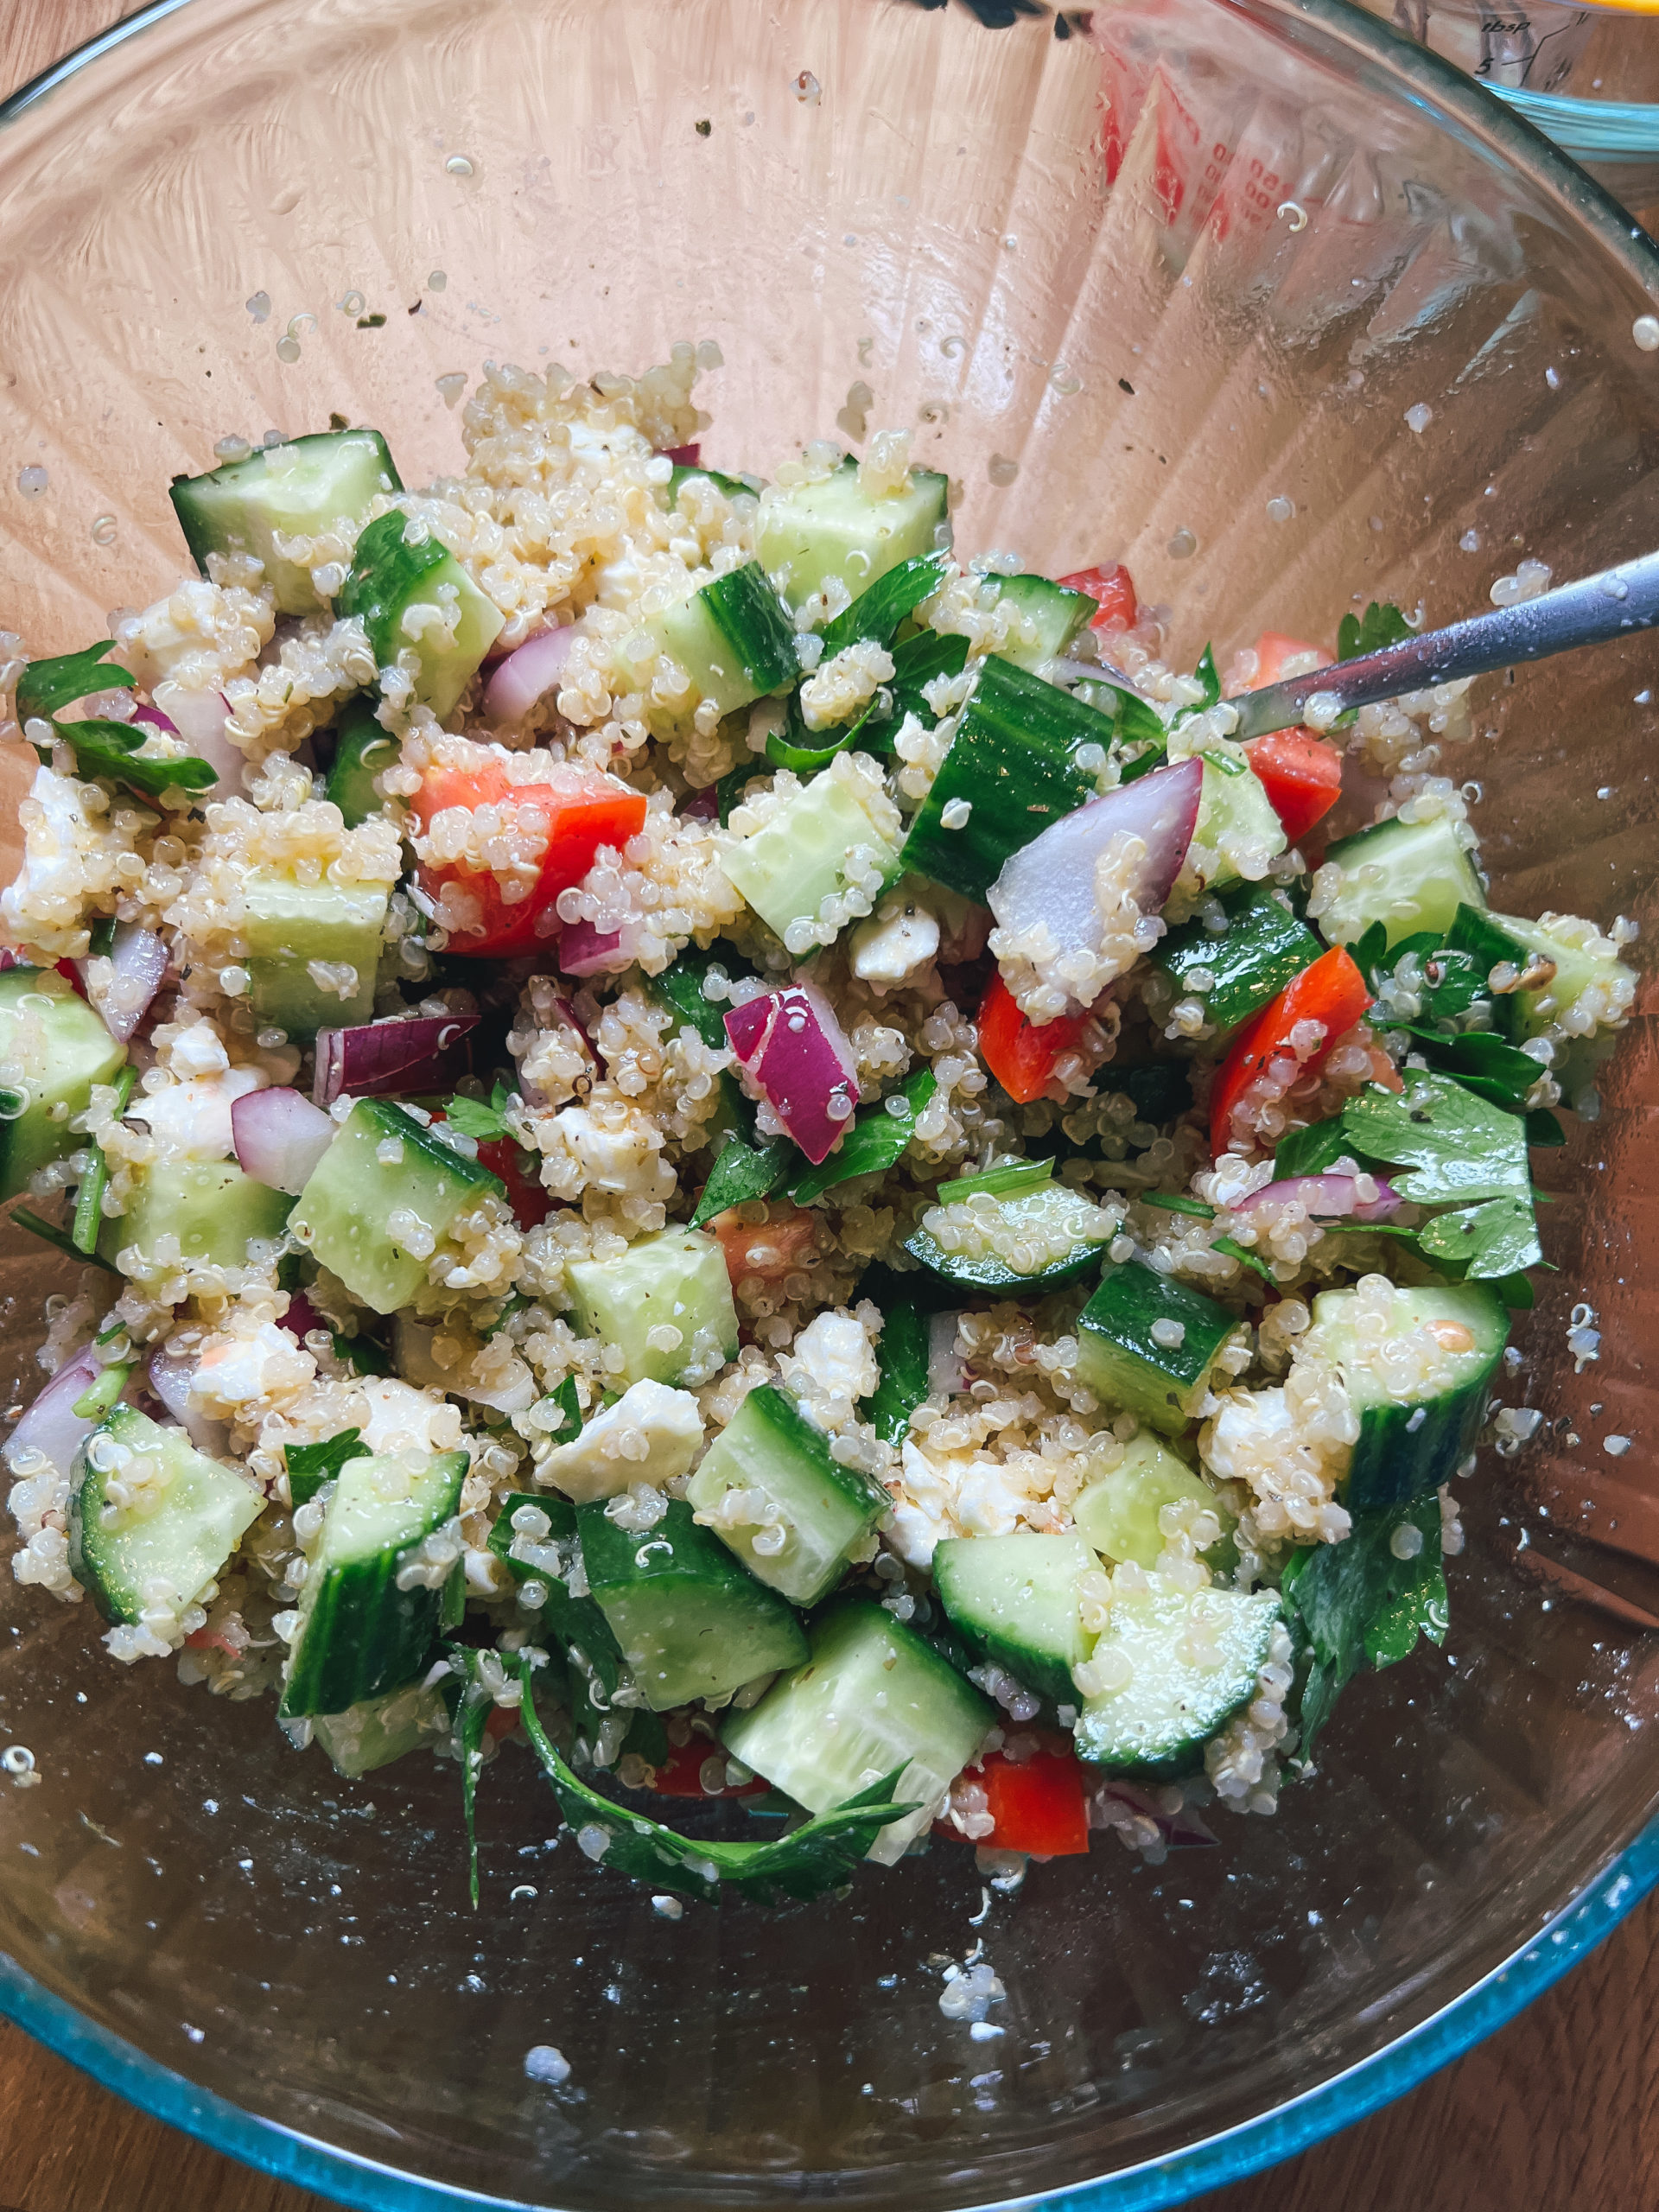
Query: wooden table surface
{"x": 1559, "y": 2113}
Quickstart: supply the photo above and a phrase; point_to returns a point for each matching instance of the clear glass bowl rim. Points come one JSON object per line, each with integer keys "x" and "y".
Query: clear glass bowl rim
{"x": 1608, "y": 1896}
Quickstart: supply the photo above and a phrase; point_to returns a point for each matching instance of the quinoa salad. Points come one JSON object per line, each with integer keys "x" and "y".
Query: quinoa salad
{"x": 713, "y": 1143}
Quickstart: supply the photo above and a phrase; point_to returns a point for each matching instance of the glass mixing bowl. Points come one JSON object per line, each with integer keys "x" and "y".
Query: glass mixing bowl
{"x": 1172, "y": 281}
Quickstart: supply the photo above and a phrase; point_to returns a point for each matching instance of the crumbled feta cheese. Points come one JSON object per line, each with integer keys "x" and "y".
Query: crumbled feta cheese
{"x": 192, "y": 1119}
{"x": 651, "y": 1434}
{"x": 899, "y": 938}
{"x": 233, "y": 1372}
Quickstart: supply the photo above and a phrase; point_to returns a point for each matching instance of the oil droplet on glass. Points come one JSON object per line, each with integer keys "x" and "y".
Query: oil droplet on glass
{"x": 1001, "y": 469}
{"x": 436, "y": 281}
{"x": 104, "y": 530}
{"x": 1280, "y": 509}
{"x": 31, "y": 482}
{"x": 259, "y": 306}
{"x": 458, "y": 165}
{"x": 1182, "y": 546}
{"x": 452, "y": 386}
{"x": 807, "y": 89}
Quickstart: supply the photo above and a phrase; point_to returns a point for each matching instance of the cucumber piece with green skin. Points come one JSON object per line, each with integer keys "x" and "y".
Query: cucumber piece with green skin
{"x": 52, "y": 1049}
{"x": 1027, "y": 1225}
{"x": 827, "y": 1510}
{"x": 381, "y": 1729}
{"x": 1053, "y": 612}
{"x": 291, "y": 927}
{"x": 159, "y": 1553}
{"x": 872, "y": 1697}
{"x": 1013, "y": 761}
{"x": 678, "y": 1280}
{"x": 1233, "y": 804}
{"x": 344, "y": 1215}
{"x": 1016, "y": 1597}
{"x": 1172, "y": 1702}
{"x": 903, "y": 1386}
{"x": 1251, "y": 961}
{"x": 732, "y": 637}
{"x": 804, "y": 854}
{"x": 393, "y": 576}
{"x": 363, "y": 750}
{"x": 1492, "y": 939}
{"x": 733, "y": 487}
{"x": 1410, "y": 876}
{"x": 301, "y": 488}
{"x": 535, "y": 1538}
{"x": 832, "y": 528}
{"x": 1125, "y": 1365}
{"x": 1118, "y": 1515}
{"x": 214, "y": 1210}
{"x": 689, "y": 1621}
{"x": 1409, "y": 1445}
{"x": 360, "y": 1634}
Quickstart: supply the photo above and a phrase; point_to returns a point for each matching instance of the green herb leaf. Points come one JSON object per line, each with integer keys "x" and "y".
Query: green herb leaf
{"x": 1544, "y": 1132}
{"x": 59, "y": 1239}
{"x": 1206, "y": 674}
{"x": 109, "y": 749}
{"x": 1359, "y": 1604}
{"x": 1011, "y": 1181}
{"x": 1311, "y": 1151}
{"x": 570, "y": 1405}
{"x": 310, "y": 1466}
{"x": 1245, "y": 1258}
{"x": 1462, "y": 1147}
{"x": 1484, "y": 1244}
{"x": 679, "y": 987}
{"x": 46, "y": 685}
{"x": 820, "y": 1857}
{"x": 742, "y": 1172}
{"x": 1135, "y": 722}
{"x": 97, "y": 1398}
{"x": 1160, "y": 1091}
{"x": 1176, "y": 1201}
{"x": 363, "y": 1354}
{"x": 877, "y": 613}
{"x": 1382, "y": 625}
{"x": 474, "y": 1119}
{"x": 904, "y": 1374}
{"x": 730, "y": 789}
{"x": 876, "y": 1141}
{"x": 1481, "y": 1063}
{"x": 470, "y": 1706}
{"x": 89, "y": 1199}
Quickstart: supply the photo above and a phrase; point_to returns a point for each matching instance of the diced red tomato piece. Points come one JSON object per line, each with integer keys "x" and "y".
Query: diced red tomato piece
{"x": 530, "y": 1203}
{"x": 1274, "y": 649}
{"x": 1301, "y": 774}
{"x": 1038, "y": 1803}
{"x": 585, "y": 809}
{"x": 1330, "y": 992}
{"x": 1112, "y": 587}
{"x": 771, "y": 1249}
{"x": 681, "y": 1773}
{"x": 1022, "y": 1055}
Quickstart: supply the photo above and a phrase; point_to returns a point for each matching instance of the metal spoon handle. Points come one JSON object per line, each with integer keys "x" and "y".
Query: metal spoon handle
{"x": 1587, "y": 613}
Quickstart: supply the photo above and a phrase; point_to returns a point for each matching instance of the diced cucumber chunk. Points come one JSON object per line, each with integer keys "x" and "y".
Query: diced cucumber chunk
{"x": 363, "y": 750}
{"x": 385, "y": 1181}
{"x": 1016, "y": 1597}
{"x": 1581, "y": 968}
{"x": 793, "y": 1489}
{"x": 52, "y": 1049}
{"x": 1248, "y": 963}
{"x": 1410, "y": 876}
{"x": 1236, "y": 818}
{"x": 382, "y": 1729}
{"x": 183, "y": 1515}
{"x": 360, "y": 1631}
{"x": 535, "y": 1538}
{"x": 807, "y": 853}
{"x": 689, "y": 1621}
{"x": 1051, "y": 616}
{"x": 301, "y": 488}
{"x": 413, "y": 595}
{"x": 873, "y": 1697}
{"x": 1125, "y": 1364}
{"x": 1411, "y": 1443}
{"x": 832, "y": 528}
{"x": 214, "y": 1210}
{"x": 676, "y": 1279}
{"x": 312, "y": 951}
{"x": 1119, "y": 1514}
{"x": 1030, "y": 1240}
{"x": 1012, "y": 763}
{"x": 732, "y": 637}
{"x": 1186, "y": 1664}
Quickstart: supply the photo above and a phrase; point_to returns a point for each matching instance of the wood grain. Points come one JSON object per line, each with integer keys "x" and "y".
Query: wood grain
{"x": 1559, "y": 2113}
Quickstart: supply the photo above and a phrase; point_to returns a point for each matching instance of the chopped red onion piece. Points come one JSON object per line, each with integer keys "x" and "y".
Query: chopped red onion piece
{"x": 302, "y": 1318}
{"x": 794, "y": 1054}
{"x": 51, "y": 1425}
{"x": 1052, "y": 880}
{"x": 199, "y": 717}
{"x": 138, "y": 959}
{"x": 279, "y": 1137}
{"x": 170, "y": 1378}
{"x": 1332, "y": 1195}
{"x": 527, "y": 674}
{"x": 947, "y": 1374}
{"x": 684, "y": 456}
{"x": 702, "y": 806}
{"x": 379, "y": 1059}
{"x": 585, "y": 950}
